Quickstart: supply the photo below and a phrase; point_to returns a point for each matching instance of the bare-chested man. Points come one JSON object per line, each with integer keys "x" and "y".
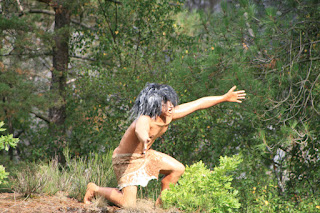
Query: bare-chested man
{"x": 134, "y": 162}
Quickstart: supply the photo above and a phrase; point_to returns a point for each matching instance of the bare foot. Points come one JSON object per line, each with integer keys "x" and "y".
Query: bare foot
{"x": 91, "y": 189}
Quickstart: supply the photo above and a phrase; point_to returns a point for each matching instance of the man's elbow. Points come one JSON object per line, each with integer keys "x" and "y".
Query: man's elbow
{"x": 137, "y": 132}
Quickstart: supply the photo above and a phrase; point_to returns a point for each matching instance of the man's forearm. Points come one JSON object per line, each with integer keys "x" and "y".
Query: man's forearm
{"x": 210, "y": 101}
{"x": 201, "y": 103}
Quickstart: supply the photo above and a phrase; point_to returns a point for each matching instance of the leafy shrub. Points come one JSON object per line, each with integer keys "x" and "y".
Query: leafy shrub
{"x": 5, "y": 142}
{"x": 201, "y": 189}
{"x": 266, "y": 198}
{"x": 3, "y": 174}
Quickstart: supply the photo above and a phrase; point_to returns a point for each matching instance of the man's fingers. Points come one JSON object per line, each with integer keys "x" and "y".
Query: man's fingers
{"x": 243, "y": 94}
{"x": 146, "y": 145}
{"x": 233, "y": 88}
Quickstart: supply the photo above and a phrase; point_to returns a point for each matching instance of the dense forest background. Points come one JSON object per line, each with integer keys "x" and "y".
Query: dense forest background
{"x": 70, "y": 72}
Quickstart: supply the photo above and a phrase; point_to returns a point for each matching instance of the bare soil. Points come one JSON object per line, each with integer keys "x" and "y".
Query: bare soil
{"x": 17, "y": 203}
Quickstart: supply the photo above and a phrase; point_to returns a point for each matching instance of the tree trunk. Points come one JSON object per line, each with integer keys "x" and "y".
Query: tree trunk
{"x": 57, "y": 113}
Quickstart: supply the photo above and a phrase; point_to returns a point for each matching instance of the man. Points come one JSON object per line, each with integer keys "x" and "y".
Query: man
{"x": 133, "y": 161}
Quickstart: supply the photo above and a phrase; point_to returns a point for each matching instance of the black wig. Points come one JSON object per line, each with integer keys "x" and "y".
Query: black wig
{"x": 149, "y": 101}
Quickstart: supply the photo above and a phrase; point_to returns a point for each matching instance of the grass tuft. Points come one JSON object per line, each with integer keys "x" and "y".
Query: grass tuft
{"x": 50, "y": 178}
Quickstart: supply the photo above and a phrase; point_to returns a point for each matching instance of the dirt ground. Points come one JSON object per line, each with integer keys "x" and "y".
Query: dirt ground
{"x": 16, "y": 203}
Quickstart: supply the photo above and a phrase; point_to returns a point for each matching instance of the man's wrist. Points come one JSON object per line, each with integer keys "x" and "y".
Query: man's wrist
{"x": 224, "y": 98}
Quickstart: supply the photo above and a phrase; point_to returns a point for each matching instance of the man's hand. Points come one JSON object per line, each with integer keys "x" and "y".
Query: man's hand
{"x": 236, "y": 96}
{"x": 145, "y": 144}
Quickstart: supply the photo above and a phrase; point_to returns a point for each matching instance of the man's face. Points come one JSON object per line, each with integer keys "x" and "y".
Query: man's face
{"x": 167, "y": 108}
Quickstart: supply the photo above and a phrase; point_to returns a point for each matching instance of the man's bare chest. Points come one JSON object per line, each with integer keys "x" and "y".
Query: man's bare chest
{"x": 156, "y": 131}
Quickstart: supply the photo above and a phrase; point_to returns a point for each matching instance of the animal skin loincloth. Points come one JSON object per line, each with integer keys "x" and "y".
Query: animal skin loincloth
{"x": 134, "y": 169}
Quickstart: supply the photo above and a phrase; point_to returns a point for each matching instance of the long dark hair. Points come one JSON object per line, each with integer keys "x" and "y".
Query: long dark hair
{"x": 149, "y": 101}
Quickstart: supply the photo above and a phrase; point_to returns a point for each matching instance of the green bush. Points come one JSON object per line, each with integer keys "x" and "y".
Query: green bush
{"x": 5, "y": 142}
{"x": 3, "y": 174}
{"x": 267, "y": 198}
{"x": 201, "y": 189}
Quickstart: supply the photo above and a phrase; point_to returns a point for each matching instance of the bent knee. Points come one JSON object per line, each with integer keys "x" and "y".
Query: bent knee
{"x": 129, "y": 197}
{"x": 180, "y": 170}
{"x": 129, "y": 203}
{"x": 126, "y": 202}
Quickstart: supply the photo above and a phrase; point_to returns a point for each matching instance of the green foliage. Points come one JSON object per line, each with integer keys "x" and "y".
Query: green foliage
{"x": 72, "y": 178}
{"x": 3, "y": 174}
{"x": 286, "y": 65}
{"x": 266, "y": 197}
{"x": 6, "y": 141}
{"x": 200, "y": 189}
{"x": 136, "y": 34}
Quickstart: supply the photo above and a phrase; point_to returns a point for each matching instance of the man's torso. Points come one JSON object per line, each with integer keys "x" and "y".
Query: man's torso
{"x": 130, "y": 142}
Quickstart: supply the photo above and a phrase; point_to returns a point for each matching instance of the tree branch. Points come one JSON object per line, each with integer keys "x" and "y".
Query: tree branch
{"x": 20, "y": 7}
{"x": 17, "y": 135}
{"x": 42, "y": 117}
{"x": 48, "y": 12}
{"x": 83, "y": 58}
{"x": 116, "y": 2}
{"x": 52, "y": 13}
{"x": 45, "y": 1}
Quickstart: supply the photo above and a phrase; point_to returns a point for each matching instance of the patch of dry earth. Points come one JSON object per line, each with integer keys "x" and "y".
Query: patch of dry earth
{"x": 16, "y": 203}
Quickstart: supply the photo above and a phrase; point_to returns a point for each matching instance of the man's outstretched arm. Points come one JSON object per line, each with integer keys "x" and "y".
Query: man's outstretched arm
{"x": 206, "y": 102}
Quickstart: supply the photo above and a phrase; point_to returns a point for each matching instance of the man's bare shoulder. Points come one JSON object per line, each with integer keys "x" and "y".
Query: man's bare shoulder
{"x": 144, "y": 118}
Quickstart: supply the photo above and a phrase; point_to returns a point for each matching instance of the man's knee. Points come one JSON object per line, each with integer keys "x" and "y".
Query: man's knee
{"x": 129, "y": 198}
{"x": 180, "y": 170}
{"x": 183, "y": 169}
{"x": 129, "y": 202}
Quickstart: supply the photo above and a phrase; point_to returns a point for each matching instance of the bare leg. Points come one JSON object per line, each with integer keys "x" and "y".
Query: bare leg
{"x": 125, "y": 198}
{"x": 172, "y": 169}
{"x": 172, "y": 177}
